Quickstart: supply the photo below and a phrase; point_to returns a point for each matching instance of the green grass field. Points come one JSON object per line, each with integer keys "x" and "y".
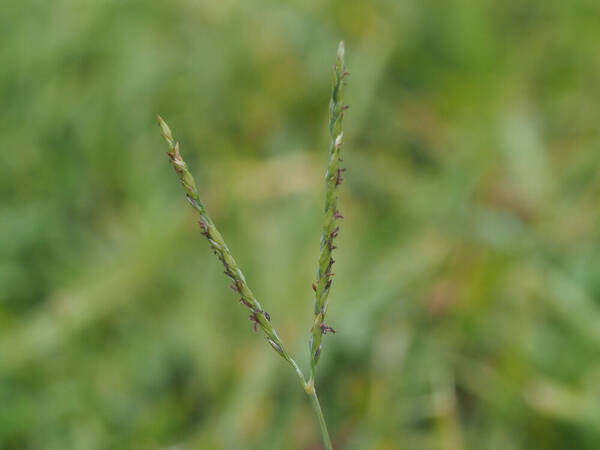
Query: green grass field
{"x": 467, "y": 291}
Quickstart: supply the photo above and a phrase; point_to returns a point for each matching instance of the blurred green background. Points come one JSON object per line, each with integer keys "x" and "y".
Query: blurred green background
{"x": 467, "y": 294}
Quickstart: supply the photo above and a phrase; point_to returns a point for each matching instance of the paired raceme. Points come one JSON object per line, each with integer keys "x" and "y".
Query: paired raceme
{"x": 258, "y": 316}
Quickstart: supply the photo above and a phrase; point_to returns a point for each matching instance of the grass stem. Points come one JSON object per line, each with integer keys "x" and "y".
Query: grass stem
{"x": 314, "y": 401}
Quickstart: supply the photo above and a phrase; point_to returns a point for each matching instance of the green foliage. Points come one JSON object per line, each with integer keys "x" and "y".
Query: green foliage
{"x": 468, "y": 276}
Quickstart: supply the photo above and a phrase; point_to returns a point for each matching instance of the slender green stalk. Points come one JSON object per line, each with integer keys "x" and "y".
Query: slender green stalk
{"x": 314, "y": 401}
{"x": 333, "y": 179}
{"x": 259, "y": 316}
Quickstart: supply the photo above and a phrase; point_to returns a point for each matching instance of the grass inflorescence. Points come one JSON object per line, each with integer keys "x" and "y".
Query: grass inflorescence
{"x": 259, "y": 317}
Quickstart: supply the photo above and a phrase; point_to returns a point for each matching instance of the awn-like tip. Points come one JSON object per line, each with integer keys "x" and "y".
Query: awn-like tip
{"x": 341, "y": 50}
